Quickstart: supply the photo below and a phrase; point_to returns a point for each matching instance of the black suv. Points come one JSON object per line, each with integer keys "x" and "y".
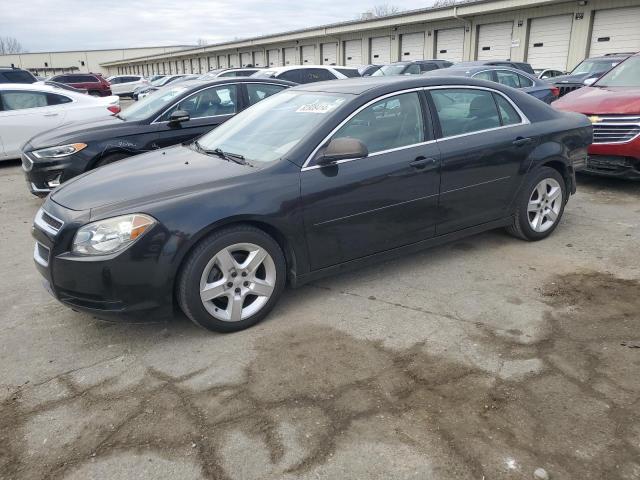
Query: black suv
{"x": 415, "y": 67}
{"x": 16, "y": 75}
{"x": 589, "y": 69}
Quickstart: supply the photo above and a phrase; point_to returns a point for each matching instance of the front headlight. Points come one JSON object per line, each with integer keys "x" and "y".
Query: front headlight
{"x": 111, "y": 235}
{"x": 61, "y": 151}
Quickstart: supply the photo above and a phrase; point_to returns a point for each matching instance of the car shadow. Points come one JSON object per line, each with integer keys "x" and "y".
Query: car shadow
{"x": 618, "y": 185}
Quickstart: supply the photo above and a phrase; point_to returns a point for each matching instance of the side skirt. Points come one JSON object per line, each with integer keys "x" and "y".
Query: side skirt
{"x": 298, "y": 281}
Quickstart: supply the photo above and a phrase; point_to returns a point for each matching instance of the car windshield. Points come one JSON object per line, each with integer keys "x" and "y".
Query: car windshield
{"x": 592, "y": 66}
{"x": 271, "y": 128}
{"x": 627, "y": 74}
{"x": 392, "y": 69}
{"x": 151, "y": 104}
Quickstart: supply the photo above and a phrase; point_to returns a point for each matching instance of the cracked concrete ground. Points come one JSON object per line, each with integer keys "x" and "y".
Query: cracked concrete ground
{"x": 487, "y": 358}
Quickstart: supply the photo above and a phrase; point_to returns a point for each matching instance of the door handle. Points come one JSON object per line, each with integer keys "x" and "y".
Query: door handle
{"x": 422, "y": 162}
{"x": 521, "y": 141}
{"x": 50, "y": 114}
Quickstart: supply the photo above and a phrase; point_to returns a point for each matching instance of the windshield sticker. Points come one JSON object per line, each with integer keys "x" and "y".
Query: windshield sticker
{"x": 320, "y": 107}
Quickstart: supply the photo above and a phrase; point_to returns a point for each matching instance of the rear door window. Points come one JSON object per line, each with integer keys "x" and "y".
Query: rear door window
{"x": 508, "y": 114}
{"x": 427, "y": 67}
{"x": 510, "y": 79}
{"x": 488, "y": 75}
{"x": 462, "y": 111}
{"x": 311, "y": 75}
{"x": 292, "y": 76}
{"x": 19, "y": 76}
{"x": 56, "y": 99}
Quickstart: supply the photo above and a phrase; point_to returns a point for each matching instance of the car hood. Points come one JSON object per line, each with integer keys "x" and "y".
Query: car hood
{"x": 601, "y": 100}
{"x": 85, "y": 132}
{"x": 144, "y": 178}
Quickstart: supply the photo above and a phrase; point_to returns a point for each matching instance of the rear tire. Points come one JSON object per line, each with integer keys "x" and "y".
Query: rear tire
{"x": 232, "y": 279}
{"x": 540, "y": 205}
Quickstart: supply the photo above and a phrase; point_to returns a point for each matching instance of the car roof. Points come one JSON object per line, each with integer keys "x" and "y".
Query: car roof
{"x": 28, "y": 86}
{"x": 389, "y": 84}
{"x": 609, "y": 57}
{"x": 298, "y": 67}
{"x": 215, "y": 81}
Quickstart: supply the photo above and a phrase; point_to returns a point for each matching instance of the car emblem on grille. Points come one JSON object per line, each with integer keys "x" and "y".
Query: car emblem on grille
{"x": 594, "y": 119}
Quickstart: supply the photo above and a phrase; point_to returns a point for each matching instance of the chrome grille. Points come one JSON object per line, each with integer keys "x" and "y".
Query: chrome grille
{"x": 564, "y": 88}
{"x": 615, "y": 128}
{"x": 48, "y": 222}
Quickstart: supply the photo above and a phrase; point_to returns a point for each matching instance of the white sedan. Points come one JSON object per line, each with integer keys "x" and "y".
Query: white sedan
{"x": 29, "y": 109}
{"x": 126, "y": 84}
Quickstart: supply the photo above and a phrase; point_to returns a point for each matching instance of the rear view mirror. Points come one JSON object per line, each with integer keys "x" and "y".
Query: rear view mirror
{"x": 179, "y": 116}
{"x": 342, "y": 149}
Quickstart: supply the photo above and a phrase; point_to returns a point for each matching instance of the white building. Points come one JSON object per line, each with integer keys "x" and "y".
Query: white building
{"x": 84, "y": 61}
{"x": 547, "y": 33}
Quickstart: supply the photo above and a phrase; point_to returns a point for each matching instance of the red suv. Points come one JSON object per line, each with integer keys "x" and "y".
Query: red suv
{"x": 92, "y": 83}
{"x": 612, "y": 103}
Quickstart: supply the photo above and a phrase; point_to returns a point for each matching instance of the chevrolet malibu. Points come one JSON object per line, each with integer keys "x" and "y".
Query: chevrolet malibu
{"x": 314, "y": 180}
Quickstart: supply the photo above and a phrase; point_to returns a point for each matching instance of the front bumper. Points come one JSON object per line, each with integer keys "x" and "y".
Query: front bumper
{"x": 620, "y": 160}
{"x": 43, "y": 176}
{"x": 134, "y": 284}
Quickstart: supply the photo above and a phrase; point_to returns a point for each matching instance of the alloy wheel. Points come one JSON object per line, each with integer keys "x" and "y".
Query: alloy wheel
{"x": 544, "y": 205}
{"x": 237, "y": 282}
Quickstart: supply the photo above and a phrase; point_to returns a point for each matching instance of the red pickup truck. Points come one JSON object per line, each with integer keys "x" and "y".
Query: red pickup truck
{"x": 612, "y": 103}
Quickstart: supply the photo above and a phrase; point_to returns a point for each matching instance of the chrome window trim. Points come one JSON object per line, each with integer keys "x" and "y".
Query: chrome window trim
{"x": 44, "y": 225}
{"x": 306, "y": 166}
{"x": 523, "y": 118}
{"x": 156, "y": 122}
{"x": 188, "y": 97}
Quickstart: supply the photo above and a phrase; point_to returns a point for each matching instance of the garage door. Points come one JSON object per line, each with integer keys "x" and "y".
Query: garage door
{"x": 213, "y": 62}
{"x": 273, "y": 57}
{"x": 549, "y": 42}
{"x": 234, "y": 60}
{"x": 329, "y": 52}
{"x": 494, "y": 41}
{"x": 290, "y": 57}
{"x": 353, "y": 52}
{"x": 380, "y": 50}
{"x": 450, "y": 44}
{"x": 412, "y": 46}
{"x": 615, "y": 31}
{"x": 309, "y": 54}
{"x": 222, "y": 61}
{"x": 246, "y": 59}
{"x": 258, "y": 59}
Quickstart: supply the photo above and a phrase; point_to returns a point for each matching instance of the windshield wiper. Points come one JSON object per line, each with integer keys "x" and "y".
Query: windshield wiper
{"x": 230, "y": 157}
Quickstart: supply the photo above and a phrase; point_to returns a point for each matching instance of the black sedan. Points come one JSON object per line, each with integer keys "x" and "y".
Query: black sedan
{"x": 315, "y": 180}
{"x": 178, "y": 114}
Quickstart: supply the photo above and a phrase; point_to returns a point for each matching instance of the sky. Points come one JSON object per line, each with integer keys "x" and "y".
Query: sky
{"x": 50, "y": 25}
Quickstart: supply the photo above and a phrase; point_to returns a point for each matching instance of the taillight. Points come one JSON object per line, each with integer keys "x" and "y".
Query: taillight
{"x": 555, "y": 91}
{"x": 114, "y": 109}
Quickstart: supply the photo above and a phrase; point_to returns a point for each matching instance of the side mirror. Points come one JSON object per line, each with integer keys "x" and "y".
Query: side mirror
{"x": 342, "y": 149}
{"x": 590, "y": 81}
{"x": 179, "y": 116}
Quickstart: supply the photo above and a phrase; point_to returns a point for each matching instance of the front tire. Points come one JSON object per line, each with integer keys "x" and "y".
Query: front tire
{"x": 232, "y": 279}
{"x": 540, "y": 205}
